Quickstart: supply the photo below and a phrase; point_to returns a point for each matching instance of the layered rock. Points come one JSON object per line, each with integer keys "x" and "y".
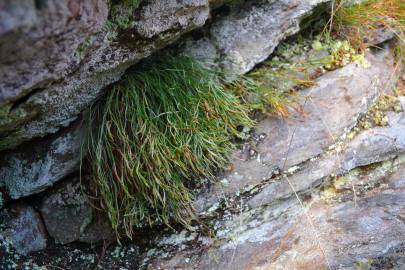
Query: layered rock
{"x": 71, "y": 58}
{"x": 340, "y": 209}
{"x": 38, "y": 165}
{"x": 314, "y": 155}
{"x": 327, "y": 111}
{"x": 319, "y": 235}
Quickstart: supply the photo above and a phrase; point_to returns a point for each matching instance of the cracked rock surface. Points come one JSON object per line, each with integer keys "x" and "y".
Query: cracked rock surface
{"x": 323, "y": 188}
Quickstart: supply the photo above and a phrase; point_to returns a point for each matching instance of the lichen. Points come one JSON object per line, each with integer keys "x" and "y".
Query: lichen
{"x": 120, "y": 17}
{"x": 376, "y": 115}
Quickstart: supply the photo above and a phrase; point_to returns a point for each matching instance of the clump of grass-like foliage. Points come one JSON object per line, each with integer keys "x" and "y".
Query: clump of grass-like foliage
{"x": 163, "y": 125}
{"x": 353, "y": 22}
{"x": 294, "y": 66}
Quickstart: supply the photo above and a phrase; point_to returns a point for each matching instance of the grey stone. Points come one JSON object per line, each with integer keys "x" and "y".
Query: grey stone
{"x": 202, "y": 49}
{"x": 66, "y": 212}
{"x": 62, "y": 85}
{"x": 22, "y": 227}
{"x": 53, "y": 30}
{"x": 34, "y": 167}
{"x": 378, "y": 35}
{"x": 376, "y": 144}
{"x": 161, "y": 17}
{"x": 98, "y": 230}
{"x": 328, "y": 110}
{"x": 249, "y": 35}
{"x": 368, "y": 147}
{"x": 287, "y": 236}
{"x": 300, "y": 182}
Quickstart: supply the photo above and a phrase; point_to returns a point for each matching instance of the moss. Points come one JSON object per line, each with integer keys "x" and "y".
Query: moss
{"x": 84, "y": 46}
{"x": 167, "y": 123}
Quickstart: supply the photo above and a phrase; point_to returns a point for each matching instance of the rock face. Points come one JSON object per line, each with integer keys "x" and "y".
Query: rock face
{"x": 79, "y": 60}
{"x": 327, "y": 111}
{"x": 344, "y": 235}
{"x": 319, "y": 190}
{"x": 66, "y": 212}
{"x": 54, "y": 30}
{"x": 342, "y": 209}
{"x": 248, "y": 36}
{"x": 36, "y": 166}
{"x": 22, "y": 228}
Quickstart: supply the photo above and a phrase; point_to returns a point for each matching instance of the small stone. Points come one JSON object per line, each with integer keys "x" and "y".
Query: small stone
{"x": 23, "y": 229}
{"x": 66, "y": 212}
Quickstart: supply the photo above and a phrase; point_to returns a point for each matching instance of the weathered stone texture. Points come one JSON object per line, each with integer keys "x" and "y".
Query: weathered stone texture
{"x": 249, "y": 35}
{"x": 22, "y": 227}
{"x": 34, "y": 167}
{"x": 328, "y": 110}
{"x": 66, "y": 85}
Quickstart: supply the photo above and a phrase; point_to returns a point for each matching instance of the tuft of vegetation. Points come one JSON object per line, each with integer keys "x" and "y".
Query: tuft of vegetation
{"x": 355, "y": 22}
{"x": 261, "y": 97}
{"x": 295, "y": 66}
{"x": 164, "y": 125}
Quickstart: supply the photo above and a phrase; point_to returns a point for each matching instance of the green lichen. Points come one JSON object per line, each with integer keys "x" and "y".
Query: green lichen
{"x": 84, "y": 46}
{"x": 120, "y": 17}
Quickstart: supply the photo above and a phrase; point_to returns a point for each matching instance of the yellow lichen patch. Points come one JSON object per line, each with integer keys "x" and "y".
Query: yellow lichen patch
{"x": 343, "y": 53}
{"x": 376, "y": 115}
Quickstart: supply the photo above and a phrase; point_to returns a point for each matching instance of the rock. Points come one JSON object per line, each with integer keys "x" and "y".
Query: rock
{"x": 98, "y": 230}
{"x": 249, "y": 35}
{"x": 69, "y": 216}
{"x": 22, "y": 227}
{"x": 161, "y": 18}
{"x": 327, "y": 111}
{"x": 66, "y": 212}
{"x": 72, "y": 60}
{"x": 284, "y": 235}
{"x": 35, "y": 166}
{"x": 377, "y": 144}
{"x": 377, "y": 35}
{"x": 305, "y": 180}
{"x": 54, "y": 30}
{"x": 368, "y": 147}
